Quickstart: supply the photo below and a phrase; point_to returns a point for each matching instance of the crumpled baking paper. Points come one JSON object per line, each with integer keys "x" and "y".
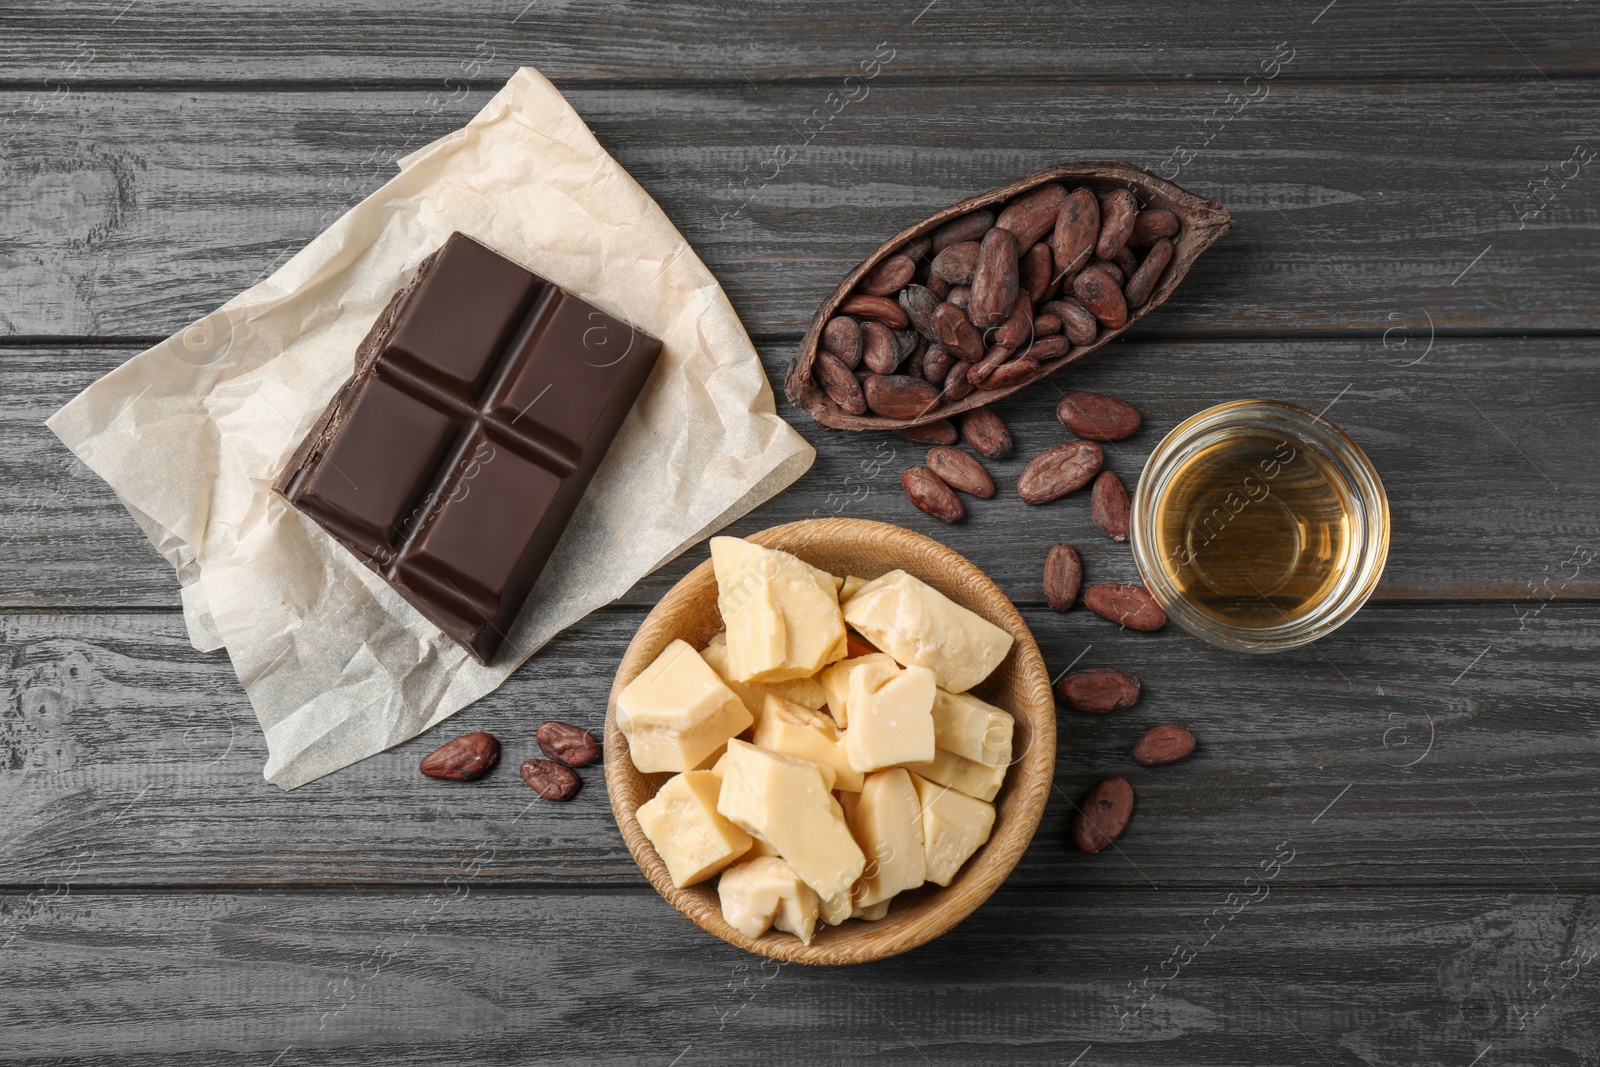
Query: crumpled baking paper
{"x": 192, "y": 433}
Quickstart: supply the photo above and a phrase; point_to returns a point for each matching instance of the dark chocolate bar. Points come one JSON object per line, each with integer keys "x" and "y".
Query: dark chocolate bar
{"x": 482, "y": 401}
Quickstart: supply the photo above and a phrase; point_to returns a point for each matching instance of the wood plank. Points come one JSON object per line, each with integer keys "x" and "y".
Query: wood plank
{"x": 697, "y": 40}
{"x": 1355, "y": 203}
{"x": 1473, "y": 512}
{"x": 1300, "y": 978}
{"x": 1446, "y": 746}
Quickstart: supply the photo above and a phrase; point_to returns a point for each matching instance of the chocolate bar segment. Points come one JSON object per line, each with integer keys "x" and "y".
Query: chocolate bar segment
{"x": 482, "y": 402}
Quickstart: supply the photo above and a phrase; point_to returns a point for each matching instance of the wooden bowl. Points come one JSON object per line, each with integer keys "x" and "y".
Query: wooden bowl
{"x": 1021, "y": 685}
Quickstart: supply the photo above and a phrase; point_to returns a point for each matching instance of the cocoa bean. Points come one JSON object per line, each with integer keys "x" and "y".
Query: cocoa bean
{"x": 929, "y": 493}
{"x": 1047, "y": 348}
{"x": 1077, "y": 229}
{"x": 938, "y": 287}
{"x": 878, "y": 349}
{"x": 994, "y": 279}
{"x": 916, "y": 368}
{"x": 1033, "y": 214}
{"x": 1126, "y": 605}
{"x": 1016, "y": 372}
{"x": 900, "y": 396}
{"x": 907, "y": 342}
{"x": 968, "y": 227}
{"x": 993, "y": 360}
{"x": 1057, "y": 471}
{"x": 1110, "y": 268}
{"x": 1098, "y": 690}
{"x": 938, "y": 432}
{"x": 1063, "y": 575}
{"x": 919, "y": 304}
{"x": 1103, "y": 815}
{"x": 841, "y": 385}
{"x": 986, "y": 432}
{"x": 1110, "y": 506}
{"x": 1035, "y": 270}
{"x": 1017, "y": 328}
{"x": 887, "y": 277}
{"x": 1164, "y": 744}
{"x": 1046, "y": 325}
{"x": 1102, "y": 295}
{"x": 1098, "y": 417}
{"x": 957, "y": 333}
{"x": 918, "y": 249}
{"x": 1079, "y": 326}
{"x": 960, "y": 471}
{"x": 877, "y": 308}
{"x": 566, "y": 743}
{"x": 956, "y": 386}
{"x": 464, "y": 759}
{"x": 960, "y": 296}
{"x": 936, "y": 363}
{"x": 1118, "y": 208}
{"x": 1126, "y": 261}
{"x": 955, "y": 264}
{"x": 1144, "y": 280}
{"x": 550, "y": 779}
{"x": 1150, "y": 225}
{"x": 842, "y": 337}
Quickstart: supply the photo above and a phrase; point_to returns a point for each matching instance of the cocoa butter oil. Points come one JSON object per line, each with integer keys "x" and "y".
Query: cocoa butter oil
{"x": 1257, "y": 523}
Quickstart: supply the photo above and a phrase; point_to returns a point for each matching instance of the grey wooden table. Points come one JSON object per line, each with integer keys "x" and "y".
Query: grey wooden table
{"x": 1418, "y": 206}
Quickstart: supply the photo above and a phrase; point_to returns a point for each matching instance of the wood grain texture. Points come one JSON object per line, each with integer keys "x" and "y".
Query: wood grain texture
{"x": 1353, "y": 203}
{"x": 1464, "y": 441}
{"x": 191, "y": 42}
{"x": 1297, "y": 978}
{"x": 123, "y": 746}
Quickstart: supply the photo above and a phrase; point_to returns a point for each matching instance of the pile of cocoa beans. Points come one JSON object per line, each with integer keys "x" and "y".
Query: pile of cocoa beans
{"x": 985, "y": 300}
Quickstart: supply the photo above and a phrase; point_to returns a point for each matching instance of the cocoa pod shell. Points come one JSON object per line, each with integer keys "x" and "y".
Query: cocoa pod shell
{"x": 842, "y": 337}
{"x": 942, "y": 432}
{"x": 1033, "y": 214}
{"x": 957, "y": 333}
{"x": 877, "y": 308}
{"x": 1103, "y": 815}
{"x": 1057, "y": 471}
{"x": 841, "y": 384}
{"x": 929, "y": 493}
{"x": 1098, "y": 291}
{"x": 900, "y": 396}
{"x": 987, "y": 433}
{"x": 1201, "y": 223}
{"x": 566, "y": 743}
{"x": 1098, "y": 417}
{"x": 463, "y": 759}
{"x": 1098, "y": 690}
{"x": 1110, "y": 506}
{"x": 956, "y": 263}
{"x": 888, "y": 277}
{"x": 1118, "y": 209}
{"x": 968, "y": 227}
{"x": 960, "y": 470}
{"x": 1144, "y": 280}
{"x": 1063, "y": 576}
{"x": 1164, "y": 744}
{"x": 994, "y": 279}
{"x": 1126, "y": 605}
{"x": 878, "y": 348}
{"x": 550, "y": 779}
{"x": 1150, "y": 225}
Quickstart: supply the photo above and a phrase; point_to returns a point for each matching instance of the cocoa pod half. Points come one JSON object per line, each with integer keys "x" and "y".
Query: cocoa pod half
{"x": 1103, "y": 815}
{"x": 1099, "y": 690}
{"x": 1098, "y": 417}
{"x": 1164, "y": 744}
{"x": 1126, "y": 605}
{"x": 961, "y": 471}
{"x": 929, "y": 493}
{"x": 1063, "y": 575}
{"x": 463, "y": 759}
{"x": 1057, "y": 471}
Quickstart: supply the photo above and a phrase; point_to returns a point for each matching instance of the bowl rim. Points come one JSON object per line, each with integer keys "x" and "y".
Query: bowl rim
{"x": 1030, "y": 779}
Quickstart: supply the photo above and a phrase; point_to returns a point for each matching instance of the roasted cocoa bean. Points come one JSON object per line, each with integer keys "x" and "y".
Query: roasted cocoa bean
{"x": 888, "y": 277}
{"x": 918, "y": 249}
{"x": 1033, "y": 214}
{"x": 1017, "y": 328}
{"x": 919, "y": 304}
{"x": 1118, "y": 209}
{"x": 1103, "y": 815}
{"x": 464, "y": 759}
{"x": 1098, "y": 291}
{"x": 1080, "y": 327}
{"x": 955, "y": 264}
{"x": 1047, "y": 348}
{"x": 969, "y": 227}
{"x": 878, "y": 349}
{"x": 993, "y": 360}
{"x": 1098, "y": 690}
{"x": 1144, "y": 280}
{"x": 956, "y": 386}
{"x": 900, "y": 396}
{"x": 1015, "y": 372}
{"x": 938, "y": 432}
{"x": 842, "y": 337}
{"x": 1164, "y": 744}
{"x": 960, "y": 296}
{"x": 1126, "y": 261}
{"x": 957, "y": 333}
{"x": 907, "y": 342}
{"x": 960, "y": 470}
{"x": 1126, "y": 605}
{"x": 1077, "y": 229}
{"x": 938, "y": 287}
{"x": 566, "y": 743}
{"x": 877, "y": 308}
{"x": 1057, "y": 471}
{"x": 1098, "y": 417}
{"x": 936, "y": 363}
{"x": 1063, "y": 576}
{"x": 841, "y": 385}
{"x": 1034, "y": 271}
{"x": 929, "y": 493}
{"x": 986, "y": 432}
{"x": 914, "y": 367}
{"x": 1046, "y": 325}
{"x": 550, "y": 779}
{"x": 1150, "y": 225}
{"x": 994, "y": 279}
{"x": 1110, "y": 268}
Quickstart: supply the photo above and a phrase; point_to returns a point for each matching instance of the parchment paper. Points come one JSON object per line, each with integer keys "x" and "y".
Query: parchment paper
{"x": 191, "y": 433}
